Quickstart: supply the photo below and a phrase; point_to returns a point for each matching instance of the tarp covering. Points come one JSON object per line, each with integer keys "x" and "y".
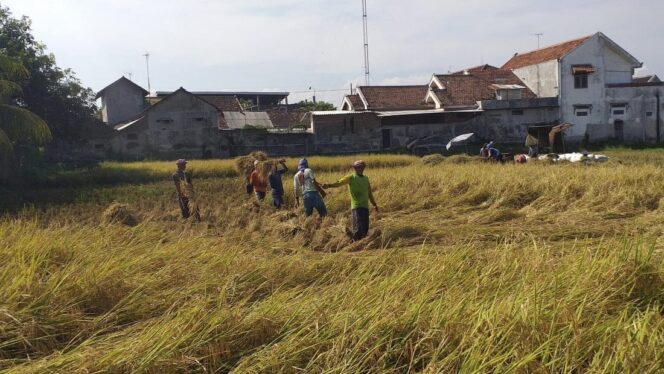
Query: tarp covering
{"x": 459, "y": 138}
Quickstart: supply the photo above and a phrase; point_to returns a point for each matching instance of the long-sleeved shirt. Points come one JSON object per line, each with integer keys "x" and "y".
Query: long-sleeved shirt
{"x": 359, "y": 189}
{"x": 276, "y": 183}
{"x": 303, "y": 182}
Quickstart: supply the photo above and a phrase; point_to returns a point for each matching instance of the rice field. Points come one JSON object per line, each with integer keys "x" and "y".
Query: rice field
{"x": 468, "y": 267}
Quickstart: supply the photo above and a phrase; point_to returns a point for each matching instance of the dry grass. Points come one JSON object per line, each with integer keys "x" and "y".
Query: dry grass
{"x": 470, "y": 267}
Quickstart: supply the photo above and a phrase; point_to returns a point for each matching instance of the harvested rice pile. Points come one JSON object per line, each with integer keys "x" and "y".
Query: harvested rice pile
{"x": 433, "y": 159}
{"x": 461, "y": 159}
{"x": 120, "y": 213}
{"x": 244, "y": 165}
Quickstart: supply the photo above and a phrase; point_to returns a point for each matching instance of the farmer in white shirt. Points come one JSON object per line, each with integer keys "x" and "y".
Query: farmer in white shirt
{"x": 304, "y": 183}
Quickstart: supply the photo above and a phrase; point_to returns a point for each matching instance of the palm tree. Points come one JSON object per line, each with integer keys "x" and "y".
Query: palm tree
{"x": 17, "y": 124}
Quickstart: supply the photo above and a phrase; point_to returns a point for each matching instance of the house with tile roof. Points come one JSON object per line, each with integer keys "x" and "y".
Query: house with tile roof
{"x": 593, "y": 79}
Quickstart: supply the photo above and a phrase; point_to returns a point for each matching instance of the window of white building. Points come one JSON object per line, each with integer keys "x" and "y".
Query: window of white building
{"x": 618, "y": 109}
{"x": 582, "y": 110}
{"x": 581, "y": 73}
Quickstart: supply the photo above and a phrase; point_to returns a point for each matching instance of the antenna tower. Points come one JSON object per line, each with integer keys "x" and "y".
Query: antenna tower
{"x": 147, "y": 66}
{"x": 366, "y": 42}
{"x": 538, "y": 35}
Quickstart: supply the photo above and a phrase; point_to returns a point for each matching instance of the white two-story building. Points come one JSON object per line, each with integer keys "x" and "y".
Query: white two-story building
{"x": 593, "y": 79}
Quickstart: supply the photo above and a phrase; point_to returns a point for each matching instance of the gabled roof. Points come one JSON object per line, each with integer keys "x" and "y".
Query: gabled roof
{"x": 552, "y": 52}
{"x": 354, "y": 101}
{"x": 137, "y": 119}
{"x": 465, "y": 90}
{"x": 475, "y": 69}
{"x": 393, "y": 97}
{"x": 121, "y": 80}
{"x": 646, "y": 79}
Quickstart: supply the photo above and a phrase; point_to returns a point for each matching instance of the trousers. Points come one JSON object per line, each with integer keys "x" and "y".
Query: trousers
{"x": 311, "y": 201}
{"x": 360, "y": 219}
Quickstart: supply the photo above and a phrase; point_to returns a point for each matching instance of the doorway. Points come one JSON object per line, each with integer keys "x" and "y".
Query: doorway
{"x": 619, "y": 130}
{"x": 387, "y": 138}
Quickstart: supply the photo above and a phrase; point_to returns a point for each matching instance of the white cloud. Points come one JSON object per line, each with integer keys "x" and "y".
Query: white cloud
{"x": 291, "y": 45}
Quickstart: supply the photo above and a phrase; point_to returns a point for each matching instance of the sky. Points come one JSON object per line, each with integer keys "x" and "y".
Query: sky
{"x": 306, "y": 45}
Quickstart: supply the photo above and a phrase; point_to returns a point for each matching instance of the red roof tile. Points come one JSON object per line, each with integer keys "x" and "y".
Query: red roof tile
{"x": 468, "y": 89}
{"x": 355, "y": 101}
{"x": 395, "y": 97}
{"x": 552, "y": 52}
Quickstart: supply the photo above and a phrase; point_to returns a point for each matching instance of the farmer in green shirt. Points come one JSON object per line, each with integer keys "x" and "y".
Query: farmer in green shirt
{"x": 360, "y": 196}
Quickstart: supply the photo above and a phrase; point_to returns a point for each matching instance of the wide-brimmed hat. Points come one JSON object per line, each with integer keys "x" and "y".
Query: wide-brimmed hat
{"x": 181, "y": 161}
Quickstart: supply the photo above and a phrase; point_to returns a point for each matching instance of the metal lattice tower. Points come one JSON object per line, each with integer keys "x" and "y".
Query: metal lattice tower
{"x": 366, "y": 42}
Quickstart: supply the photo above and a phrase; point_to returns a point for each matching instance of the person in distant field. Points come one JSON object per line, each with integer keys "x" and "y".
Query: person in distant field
{"x": 185, "y": 190}
{"x": 360, "y": 196}
{"x": 305, "y": 184}
{"x": 259, "y": 183}
{"x": 276, "y": 184}
{"x": 484, "y": 152}
{"x": 494, "y": 153}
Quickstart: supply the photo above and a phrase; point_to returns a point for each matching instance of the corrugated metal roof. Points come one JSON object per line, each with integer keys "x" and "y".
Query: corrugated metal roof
{"x": 228, "y": 93}
{"x": 507, "y": 86}
{"x": 430, "y": 111}
{"x": 239, "y": 120}
{"x": 334, "y": 112}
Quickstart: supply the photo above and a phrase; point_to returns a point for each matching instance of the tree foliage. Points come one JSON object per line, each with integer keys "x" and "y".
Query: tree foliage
{"x": 18, "y": 125}
{"x": 318, "y": 106}
{"x": 50, "y": 92}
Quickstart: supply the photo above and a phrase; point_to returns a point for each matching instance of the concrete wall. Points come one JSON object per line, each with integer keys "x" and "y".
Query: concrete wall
{"x": 183, "y": 125}
{"x": 346, "y": 133}
{"x": 505, "y": 126}
{"x": 640, "y": 118}
{"x": 131, "y": 143}
{"x": 542, "y": 78}
{"x": 121, "y": 102}
{"x": 241, "y": 142}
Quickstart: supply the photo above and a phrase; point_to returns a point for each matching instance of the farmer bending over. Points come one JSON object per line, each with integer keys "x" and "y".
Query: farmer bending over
{"x": 258, "y": 181}
{"x": 494, "y": 153}
{"x": 360, "y": 195}
{"x": 276, "y": 184}
{"x": 305, "y": 183}
{"x": 185, "y": 190}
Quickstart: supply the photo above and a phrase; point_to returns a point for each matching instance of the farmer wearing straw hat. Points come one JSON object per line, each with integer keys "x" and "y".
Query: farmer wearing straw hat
{"x": 185, "y": 190}
{"x": 360, "y": 196}
{"x": 305, "y": 183}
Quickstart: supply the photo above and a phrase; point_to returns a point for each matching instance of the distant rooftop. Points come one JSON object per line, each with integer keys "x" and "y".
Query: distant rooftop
{"x": 228, "y": 93}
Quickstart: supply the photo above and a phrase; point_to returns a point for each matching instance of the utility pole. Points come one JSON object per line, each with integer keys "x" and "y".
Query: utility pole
{"x": 147, "y": 65}
{"x": 538, "y": 35}
{"x": 366, "y": 42}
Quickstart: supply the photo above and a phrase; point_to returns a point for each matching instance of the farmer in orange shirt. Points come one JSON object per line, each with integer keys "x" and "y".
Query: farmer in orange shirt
{"x": 259, "y": 182}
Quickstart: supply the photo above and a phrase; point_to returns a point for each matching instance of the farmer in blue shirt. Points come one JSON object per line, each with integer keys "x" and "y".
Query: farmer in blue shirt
{"x": 276, "y": 184}
{"x": 494, "y": 153}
